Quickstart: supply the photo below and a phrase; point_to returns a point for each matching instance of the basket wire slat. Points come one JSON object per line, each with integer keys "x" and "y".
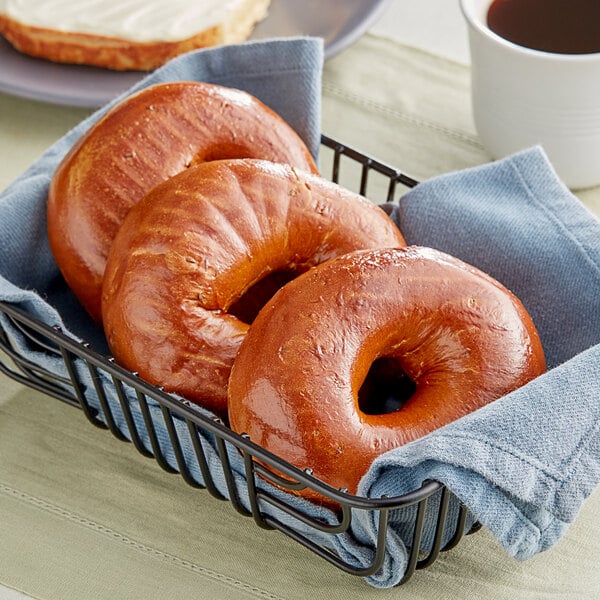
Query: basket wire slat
{"x": 439, "y": 531}
{"x": 104, "y": 404}
{"x": 157, "y": 451}
{"x": 135, "y": 438}
{"x": 253, "y": 469}
{"x": 343, "y": 525}
{"x": 184, "y": 471}
{"x": 90, "y": 412}
{"x": 391, "y": 194}
{"x": 232, "y": 488}
{"x": 202, "y": 462}
{"x": 253, "y": 494}
{"x": 364, "y": 177}
{"x": 413, "y": 558}
{"x": 258, "y": 463}
{"x": 27, "y": 372}
{"x": 29, "y": 376}
{"x": 333, "y": 558}
{"x": 335, "y": 171}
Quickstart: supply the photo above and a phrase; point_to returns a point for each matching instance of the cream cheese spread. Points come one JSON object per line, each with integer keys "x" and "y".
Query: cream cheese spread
{"x": 136, "y": 20}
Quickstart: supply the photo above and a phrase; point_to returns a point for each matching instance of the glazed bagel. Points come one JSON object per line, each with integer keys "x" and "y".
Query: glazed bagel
{"x": 442, "y": 337}
{"x": 195, "y": 259}
{"x": 142, "y": 141}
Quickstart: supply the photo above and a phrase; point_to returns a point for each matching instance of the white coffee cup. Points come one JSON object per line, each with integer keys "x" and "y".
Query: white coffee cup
{"x": 523, "y": 97}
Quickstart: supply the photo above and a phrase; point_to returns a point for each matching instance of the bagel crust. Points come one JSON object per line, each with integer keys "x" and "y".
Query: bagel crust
{"x": 461, "y": 337}
{"x": 141, "y": 142}
{"x": 129, "y": 38}
{"x": 192, "y": 254}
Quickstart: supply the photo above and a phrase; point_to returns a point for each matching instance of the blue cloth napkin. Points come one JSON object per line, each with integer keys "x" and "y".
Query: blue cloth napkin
{"x": 525, "y": 463}
{"x": 522, "y": 465}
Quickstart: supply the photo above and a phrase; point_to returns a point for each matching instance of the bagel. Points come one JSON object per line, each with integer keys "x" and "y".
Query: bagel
{"x": 142, "y": 141}
{"x": 443, "y": 337}
{"x": 132, "y": 35}
{"x": 185, "y": 269}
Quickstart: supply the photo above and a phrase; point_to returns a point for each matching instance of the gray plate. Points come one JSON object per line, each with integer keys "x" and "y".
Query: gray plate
{"x": 338, "y": 22}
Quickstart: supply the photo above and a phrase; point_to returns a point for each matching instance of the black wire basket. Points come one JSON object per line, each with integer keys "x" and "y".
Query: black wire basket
{"x": 208, "y": 455}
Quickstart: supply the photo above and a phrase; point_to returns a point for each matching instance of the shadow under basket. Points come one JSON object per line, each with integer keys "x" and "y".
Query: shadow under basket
{"x": 208, "y": 455}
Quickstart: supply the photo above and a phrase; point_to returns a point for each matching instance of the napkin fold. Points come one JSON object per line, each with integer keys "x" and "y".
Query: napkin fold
{"x": 524, "y": 464}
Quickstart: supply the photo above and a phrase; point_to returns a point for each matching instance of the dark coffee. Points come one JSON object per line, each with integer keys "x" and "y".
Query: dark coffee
{"x": 559, "y": 26}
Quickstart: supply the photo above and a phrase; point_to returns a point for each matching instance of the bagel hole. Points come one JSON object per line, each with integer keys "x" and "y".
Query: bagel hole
{"x": 222, "y": 151}
{"x": 249, "y": 304}
{"x": 386, "y": 388}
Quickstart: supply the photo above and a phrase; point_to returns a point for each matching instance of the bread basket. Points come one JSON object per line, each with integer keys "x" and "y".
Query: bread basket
{"x": 208, "y": 455}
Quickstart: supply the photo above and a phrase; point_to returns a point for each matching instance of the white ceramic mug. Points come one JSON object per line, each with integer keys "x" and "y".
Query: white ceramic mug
{"x": 523, "y": 97}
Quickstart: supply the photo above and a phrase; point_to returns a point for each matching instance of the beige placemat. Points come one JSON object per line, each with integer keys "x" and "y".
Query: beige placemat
{"x": 403, "y": 106}
{"x": 84, "y": 516}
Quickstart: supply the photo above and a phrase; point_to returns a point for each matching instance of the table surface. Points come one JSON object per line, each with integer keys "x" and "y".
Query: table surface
{"x": 441, "y": 125}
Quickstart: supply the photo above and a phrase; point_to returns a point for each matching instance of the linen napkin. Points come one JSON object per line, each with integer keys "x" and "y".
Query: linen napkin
{"x": 469, "y": 214}
{"x": 525, "y": 463}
